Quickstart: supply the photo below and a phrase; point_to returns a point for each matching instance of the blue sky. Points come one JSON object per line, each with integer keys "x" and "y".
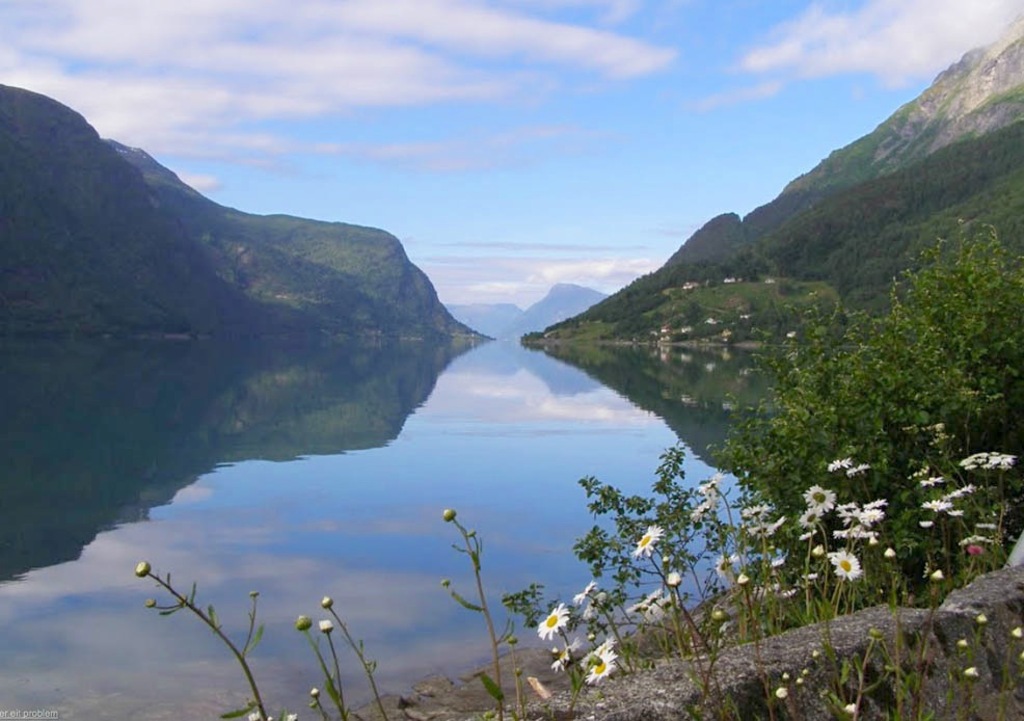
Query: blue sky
{"x": 509, "y": 144}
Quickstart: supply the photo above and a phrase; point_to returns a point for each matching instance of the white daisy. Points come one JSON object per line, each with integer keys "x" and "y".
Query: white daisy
{"x": 601, "y": 665}
{"x": 556, "y": 620}
{"x": 582, "y": 595}
{"x": 846, "y": 564}
{"x": 646, "y": 544}
{"x": 819, "y": 500}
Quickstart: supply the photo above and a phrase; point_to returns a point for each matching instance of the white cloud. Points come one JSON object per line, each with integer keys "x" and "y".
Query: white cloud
{"x": 524, "y": 281}
{"x": 191, "y": 77}
{"x": 202, "y": 183}
{"x": 741, "y": 95}
{"x": 520, "y": 146}
{"x": 895, "y": 40}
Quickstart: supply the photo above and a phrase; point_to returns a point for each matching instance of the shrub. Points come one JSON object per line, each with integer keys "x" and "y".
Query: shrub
{"x": 935, "y": 380}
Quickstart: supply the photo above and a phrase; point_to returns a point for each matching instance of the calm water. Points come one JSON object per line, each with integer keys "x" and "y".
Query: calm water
{"x": 301, "y": 472}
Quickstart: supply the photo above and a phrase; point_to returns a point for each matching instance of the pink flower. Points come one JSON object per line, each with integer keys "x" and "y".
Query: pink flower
{"x": 974, "y": 550}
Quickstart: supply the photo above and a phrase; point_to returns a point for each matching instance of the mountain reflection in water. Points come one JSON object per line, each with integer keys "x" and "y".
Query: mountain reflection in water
{"x": 298, "y": 472}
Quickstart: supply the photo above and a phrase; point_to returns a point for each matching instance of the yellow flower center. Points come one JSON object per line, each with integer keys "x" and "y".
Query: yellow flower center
{"x": 846, "y": 565}
{"x": 645, "y": 541}
{"x": 599, "y": 667}
{"x": 552, "y": 621}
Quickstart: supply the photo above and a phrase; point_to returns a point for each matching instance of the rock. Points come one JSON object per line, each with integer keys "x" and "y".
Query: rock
{"x": 740, "y": 682}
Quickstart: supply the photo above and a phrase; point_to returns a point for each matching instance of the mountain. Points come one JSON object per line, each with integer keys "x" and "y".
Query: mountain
{"x": 505, "y": 321}
{"x": 948, "y": 161}
{"x": 491, "y": 319}
{"x": 100, "y": 239}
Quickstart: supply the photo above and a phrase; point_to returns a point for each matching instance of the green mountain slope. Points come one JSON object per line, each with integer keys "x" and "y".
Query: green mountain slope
{"x": 98, "y": 238}
{"x": 853, "y": 223}
{"x": 81, "y": 248}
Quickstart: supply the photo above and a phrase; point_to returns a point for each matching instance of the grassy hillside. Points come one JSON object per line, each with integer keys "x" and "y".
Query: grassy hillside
{"x": 848, "y": 247}
{"x": 341, "y": 276}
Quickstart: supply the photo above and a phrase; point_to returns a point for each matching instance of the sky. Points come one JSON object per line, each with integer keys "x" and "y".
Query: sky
{"x": 508, "y": 144}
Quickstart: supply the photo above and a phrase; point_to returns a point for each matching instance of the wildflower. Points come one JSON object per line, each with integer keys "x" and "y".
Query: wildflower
{"x": 989, "y": 461}
{"x": 926, "y": 524}
{"x": 933, "y": 481}
{"x": 971, "y": 673}
{"x": 1017, "y": 632}
{"x": 818, "y": 551}
{"x": 937, "y": 506}
{"x": 142, "y": 569}
{"x": 448, "y": 515}
{"x": 850, "y": 708}
{"x": 646, "y": 543}
{"x": 724, "y": 565}
{"x": 974, "y": 550}
{"x": 556, "y": 620}
{"x": 582, "y": 595}
{"x": 846, "y": 564}
{"x": 809, "y": 518}
{"x": 981, "y": 619}
{"x": 819, "y": 499}
{"x": 962, "y": 644}
{"x": 326, "y": 602}
{"x": 601, "y": 665}
{"x": 857, "y": 470}
{"x": 781, "y": 692}
{"x": 326, "y": 626}
{"x": 292, "y": 717}
{"x": 564, "y": 657}
{"x": 314, "y": 692}
{"x": 303, "y": 623}
{"x": 841, "y": 464}
{"x": 673, "y": 579}
{"x": 937, "y": 575}
{"x": 742, "y": 580}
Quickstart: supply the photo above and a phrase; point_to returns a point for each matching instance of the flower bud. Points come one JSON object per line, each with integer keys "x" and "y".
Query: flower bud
{"x": 890, "y": 553}
{"x": 303, "y": 623}
{"x": 150, "y": 603}
{"x": 962, "y": 644}
{"x": 981, "y": 619}
{"x": 142, "y": 569}
{"x": 448, "y": 515}
{"x": 673, "y": 579}
{"x": 875, "y": 633}
{"x": 937, "y": 575}
{"x": 818, "y": 551}
{"x": 326, "y": 626}
{"x": 1018, "y": 632}
{"x": 742, "y": 580}
{"x": 326, "y": 602}
{"x": 314, "y": 692}
{"x": 718, "y": 615}
{"x": 971, "y": 673}
{"x": 781, "y": 692}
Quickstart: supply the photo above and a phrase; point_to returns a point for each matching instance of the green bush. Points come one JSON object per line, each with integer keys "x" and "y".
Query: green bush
{"x": 909, "y": 394}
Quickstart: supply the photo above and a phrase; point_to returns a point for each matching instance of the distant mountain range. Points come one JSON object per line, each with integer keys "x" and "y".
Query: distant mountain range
{"x": 505, "y": 321}
{"x": 99, "y": 239}
{"x": 950, "y": 161}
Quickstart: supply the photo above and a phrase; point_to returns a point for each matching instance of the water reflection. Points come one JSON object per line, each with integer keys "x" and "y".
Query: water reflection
{"x": 694, "y": 390}
{"x": 295, "y": 472}
{"x": 96, "y": 434}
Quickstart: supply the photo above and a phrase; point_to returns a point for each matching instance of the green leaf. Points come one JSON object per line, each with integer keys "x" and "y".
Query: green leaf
{"x": 257, "y": 637}
{"x": 466, "y": 604}
{"x": 238, "y": 713}
{"x": 213, "y": 615}
{"x": 492, "y": 688}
